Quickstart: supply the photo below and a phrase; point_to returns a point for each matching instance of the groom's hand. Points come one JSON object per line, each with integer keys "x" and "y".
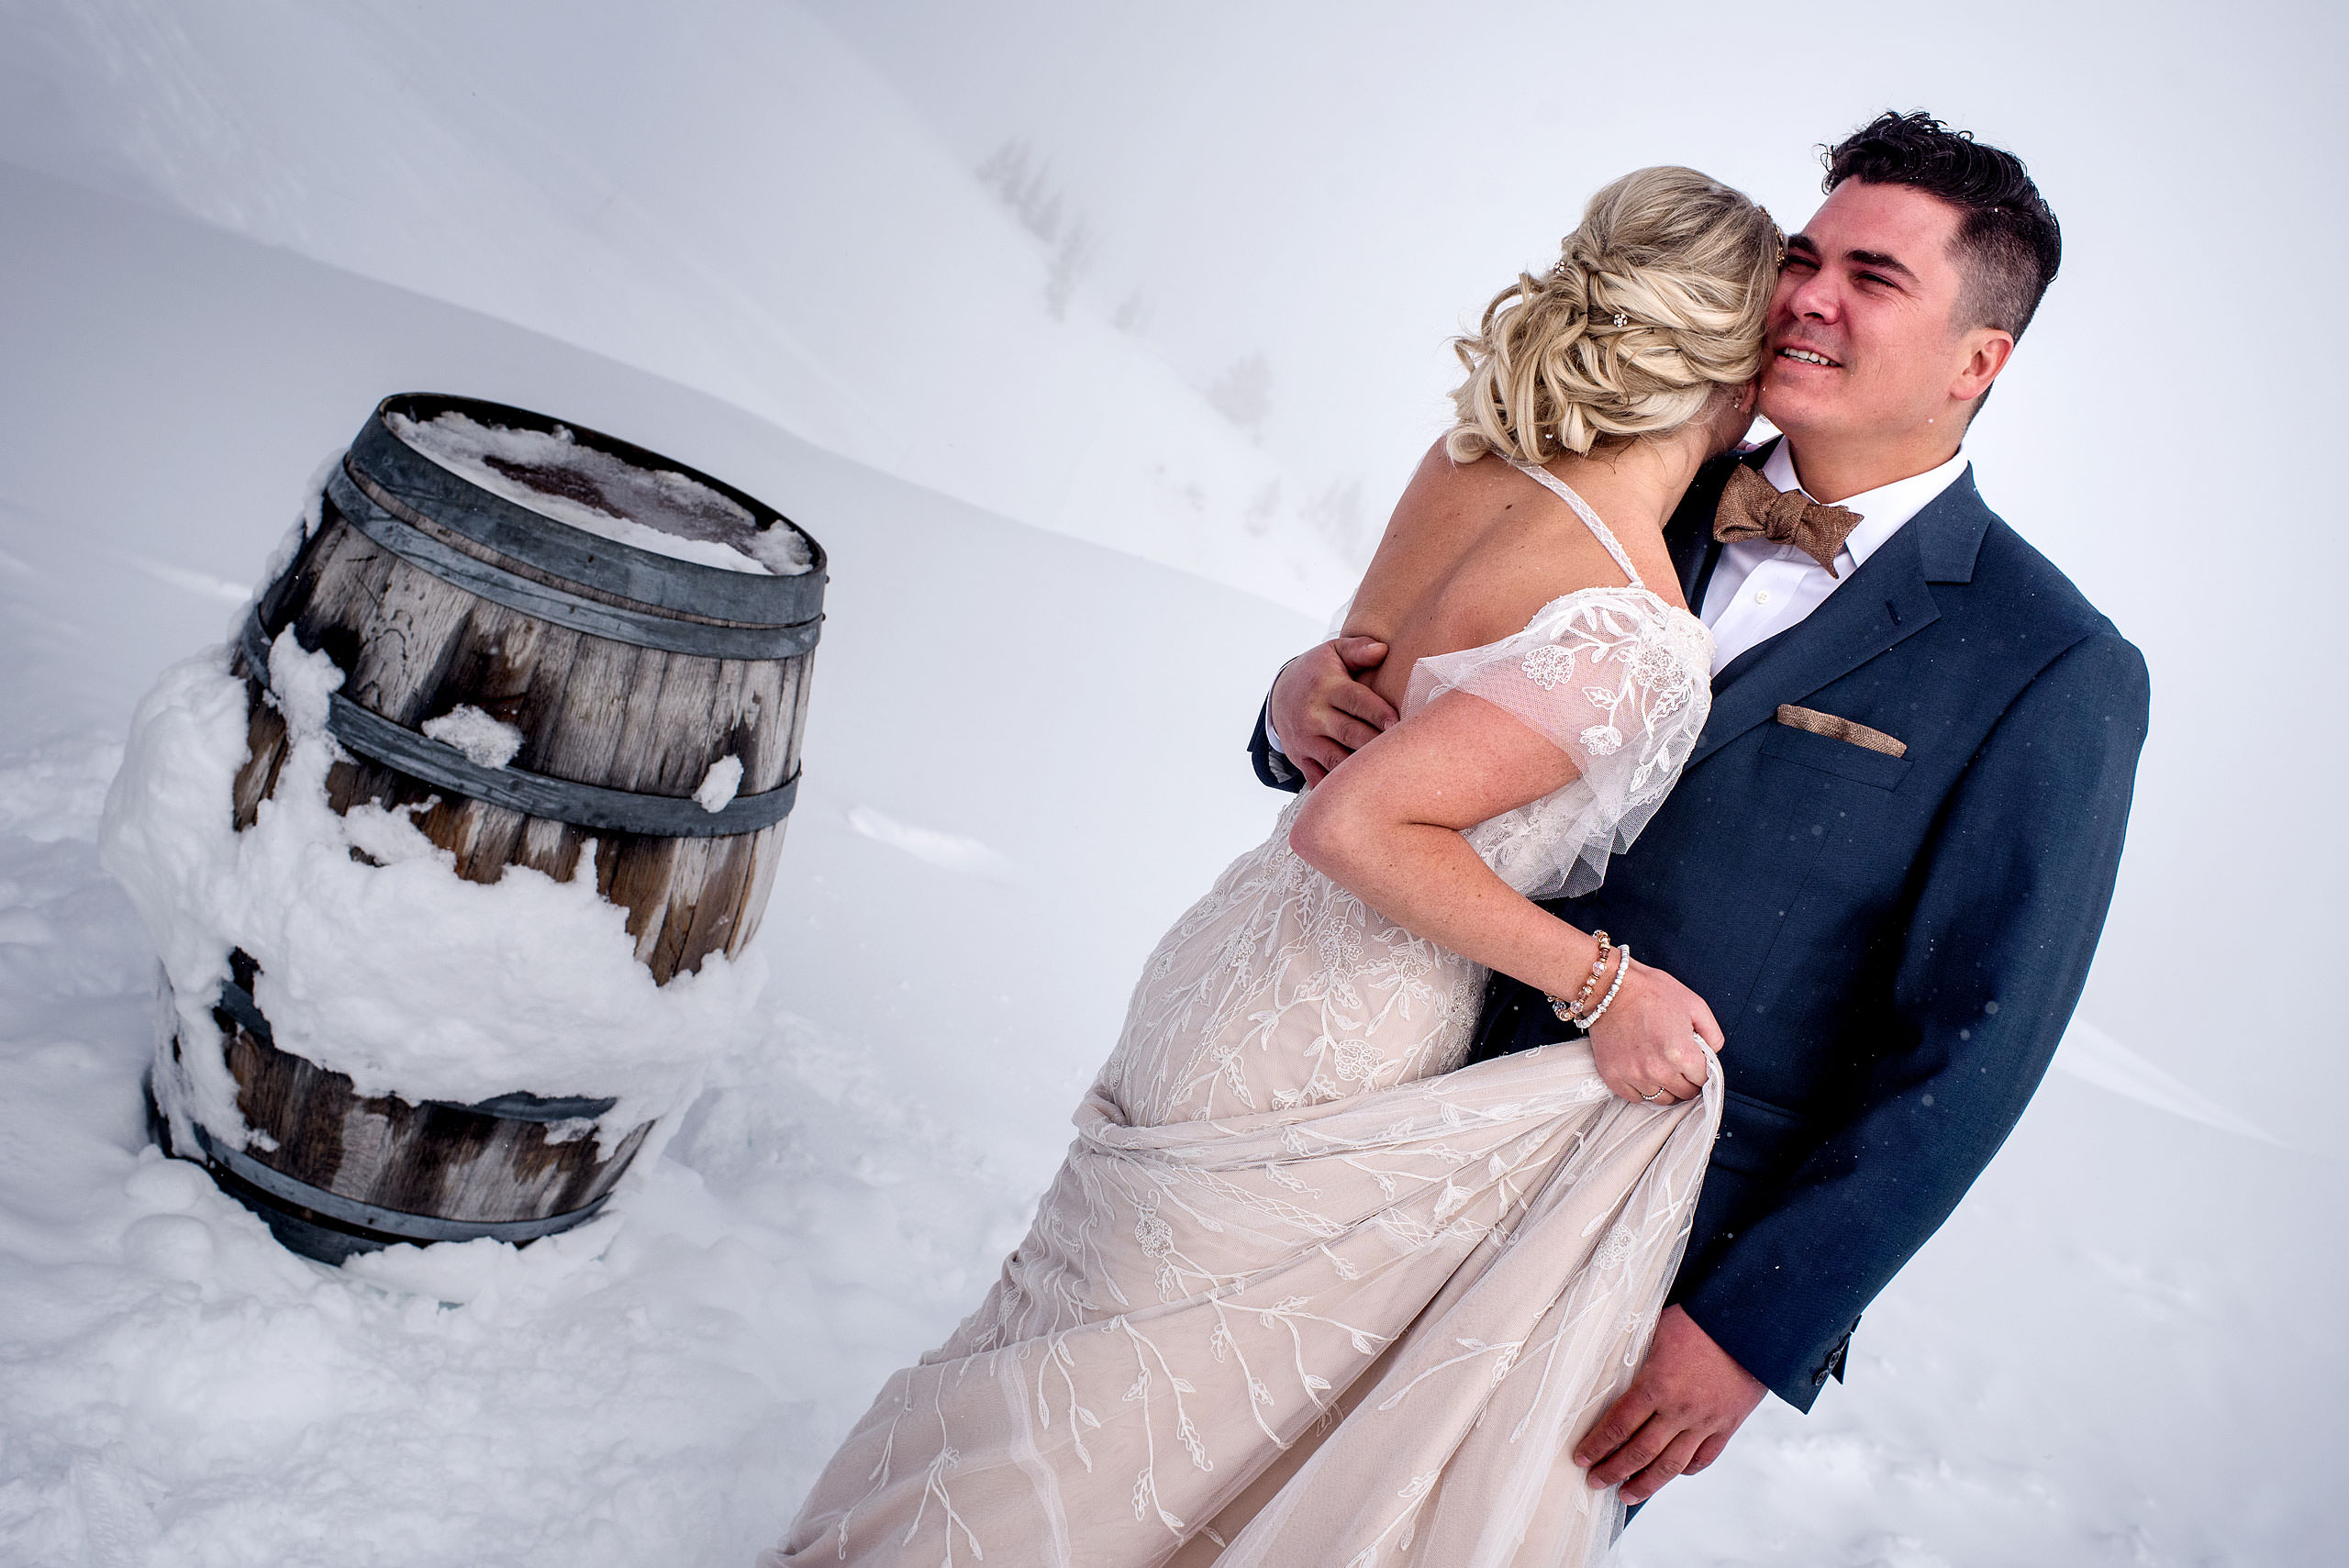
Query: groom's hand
{"x": 1321, "y": 711}
{"x": 1676, "y": 1416}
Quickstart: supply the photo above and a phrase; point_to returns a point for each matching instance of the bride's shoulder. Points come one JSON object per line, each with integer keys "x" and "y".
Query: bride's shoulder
{"x": 1429, "y": 528}
{"x": 1448, "y": 499}
{"x": 1464, "y": 500}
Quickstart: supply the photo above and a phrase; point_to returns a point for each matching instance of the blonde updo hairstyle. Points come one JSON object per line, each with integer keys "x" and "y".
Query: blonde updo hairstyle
{"x": 1658, "y": 300}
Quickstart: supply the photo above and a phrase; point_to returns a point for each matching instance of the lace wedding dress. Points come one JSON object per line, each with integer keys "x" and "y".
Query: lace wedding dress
{"x": 1305, "y": 1292}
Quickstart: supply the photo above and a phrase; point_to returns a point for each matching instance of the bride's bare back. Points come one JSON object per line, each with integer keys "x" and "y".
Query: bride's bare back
{"x": 1474, "y": 550}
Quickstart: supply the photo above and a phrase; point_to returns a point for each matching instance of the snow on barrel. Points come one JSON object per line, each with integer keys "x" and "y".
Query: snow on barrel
{"x": 449, "y": 854}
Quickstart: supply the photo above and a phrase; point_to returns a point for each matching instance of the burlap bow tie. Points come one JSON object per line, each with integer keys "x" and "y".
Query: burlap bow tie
{"x": 1752, "y": 508}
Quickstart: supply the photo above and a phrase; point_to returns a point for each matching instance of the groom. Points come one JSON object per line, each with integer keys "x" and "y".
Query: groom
{"x": 1888, "y": 858}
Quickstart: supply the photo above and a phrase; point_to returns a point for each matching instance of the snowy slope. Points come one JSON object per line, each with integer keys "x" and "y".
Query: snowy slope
{"x": 1022, "y": 760}
{"x": 169, "y": 387}
{"x": 719, "y": 193}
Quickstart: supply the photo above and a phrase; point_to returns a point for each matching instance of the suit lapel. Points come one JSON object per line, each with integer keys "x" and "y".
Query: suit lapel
{"x": 1690, "y": 539}
{"x": 1689, "y": 533}
{"x": 1886, "y": 603}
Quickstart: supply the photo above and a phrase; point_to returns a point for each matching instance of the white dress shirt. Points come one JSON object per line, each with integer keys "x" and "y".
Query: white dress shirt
{"x": 1759, "y": 589}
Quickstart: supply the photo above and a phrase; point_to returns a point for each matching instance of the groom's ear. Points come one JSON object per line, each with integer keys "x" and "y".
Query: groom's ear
{"x": 1983, "y": 353}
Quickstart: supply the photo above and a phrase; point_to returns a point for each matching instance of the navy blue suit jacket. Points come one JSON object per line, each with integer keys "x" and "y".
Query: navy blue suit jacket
{"x": 1893, "y": 945}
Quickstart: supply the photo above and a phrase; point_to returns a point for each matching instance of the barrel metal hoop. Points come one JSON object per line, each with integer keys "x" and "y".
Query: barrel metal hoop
{"x": 638, "y": 629}
{"x": 403, "y": 476}
{"x": 393, "y": 1223}
{"x": 239, "y": 1004}
{"x": 438, "y": 763}
{"x": 653, "y": 592}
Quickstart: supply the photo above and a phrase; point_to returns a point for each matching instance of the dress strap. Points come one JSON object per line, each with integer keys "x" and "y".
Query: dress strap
{"x": 1550, "y": 482}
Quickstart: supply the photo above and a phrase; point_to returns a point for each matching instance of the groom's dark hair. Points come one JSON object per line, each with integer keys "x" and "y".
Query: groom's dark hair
{"x": 2007, "y": 241}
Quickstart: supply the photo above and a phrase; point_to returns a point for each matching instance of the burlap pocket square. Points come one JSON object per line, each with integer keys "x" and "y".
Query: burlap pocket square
{"x": 1836, "y": 728}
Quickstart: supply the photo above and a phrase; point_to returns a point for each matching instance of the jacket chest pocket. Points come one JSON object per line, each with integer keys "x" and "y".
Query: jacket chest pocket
{"x": 1836, "y": 805}
{"x": 1842, "y": 758}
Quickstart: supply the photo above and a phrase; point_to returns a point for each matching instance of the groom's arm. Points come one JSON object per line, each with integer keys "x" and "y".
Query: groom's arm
{"x": 2013, "y": 895}
{"x": 1272, "y": 766}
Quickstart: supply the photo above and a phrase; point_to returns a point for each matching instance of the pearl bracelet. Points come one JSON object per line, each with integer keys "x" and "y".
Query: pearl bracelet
{"x": 1621, "y": 969}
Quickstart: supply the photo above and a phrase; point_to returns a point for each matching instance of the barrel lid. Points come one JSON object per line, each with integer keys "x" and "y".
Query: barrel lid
{"x": 405, "y": 478}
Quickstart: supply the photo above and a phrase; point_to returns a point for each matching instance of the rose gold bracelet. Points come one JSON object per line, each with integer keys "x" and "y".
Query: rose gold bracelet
{"x": 1622, "y": 967}
{"x": 1568, "y": 1012}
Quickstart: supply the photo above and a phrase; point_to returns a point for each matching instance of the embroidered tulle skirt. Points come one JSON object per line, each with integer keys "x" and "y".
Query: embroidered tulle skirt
{"x": 1304, "y": 1293}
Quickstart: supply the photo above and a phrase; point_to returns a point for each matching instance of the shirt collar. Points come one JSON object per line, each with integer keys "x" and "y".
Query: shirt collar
{"x": 1881, "y": 510}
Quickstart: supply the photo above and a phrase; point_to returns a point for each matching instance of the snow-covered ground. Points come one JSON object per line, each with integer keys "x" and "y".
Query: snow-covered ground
{"x": 1022, "y": 760}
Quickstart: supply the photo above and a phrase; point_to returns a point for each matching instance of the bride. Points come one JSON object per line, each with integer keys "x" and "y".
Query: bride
{"x": 1305, "y": 1292}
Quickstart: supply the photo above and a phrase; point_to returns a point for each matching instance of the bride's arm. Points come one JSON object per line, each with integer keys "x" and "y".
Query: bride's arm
{"x": 1387, "y": 828}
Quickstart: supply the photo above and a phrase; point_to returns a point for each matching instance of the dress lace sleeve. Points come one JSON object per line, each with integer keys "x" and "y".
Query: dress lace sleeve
{"x": 1618, "y": 680}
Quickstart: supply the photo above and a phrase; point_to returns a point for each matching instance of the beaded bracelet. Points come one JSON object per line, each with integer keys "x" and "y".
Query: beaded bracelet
{"x": 1566, "y": 1011}
{"x": 1607, "y": 1001}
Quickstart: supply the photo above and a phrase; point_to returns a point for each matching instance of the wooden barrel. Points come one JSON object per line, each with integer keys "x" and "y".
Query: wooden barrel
{"x": 634, "y": 679}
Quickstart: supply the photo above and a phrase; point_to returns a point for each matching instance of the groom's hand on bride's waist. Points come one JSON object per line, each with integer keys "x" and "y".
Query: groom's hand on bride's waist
{"x": 1679, "y": 1413}
{"x": 1319, "y": 708}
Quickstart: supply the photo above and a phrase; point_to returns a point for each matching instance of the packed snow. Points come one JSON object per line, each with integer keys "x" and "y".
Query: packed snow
{"x": 2122, "y": 1349}
{"x": 487, "y": 740}
{"x": 719, "y": 786}
{"x": 655, "y": 510}
{"x": 376, "y": 959}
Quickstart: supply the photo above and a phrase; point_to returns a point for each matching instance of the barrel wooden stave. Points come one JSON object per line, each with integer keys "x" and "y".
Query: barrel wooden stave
{"x": 590, "y": 709}
{"x": 440, "y": 1160}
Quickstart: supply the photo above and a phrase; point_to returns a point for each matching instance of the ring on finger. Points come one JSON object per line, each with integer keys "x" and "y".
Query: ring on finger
{"x": 1652, "y": 1095}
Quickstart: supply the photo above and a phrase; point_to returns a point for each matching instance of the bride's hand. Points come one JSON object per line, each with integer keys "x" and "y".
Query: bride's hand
{"x": 1646, "y": 1044}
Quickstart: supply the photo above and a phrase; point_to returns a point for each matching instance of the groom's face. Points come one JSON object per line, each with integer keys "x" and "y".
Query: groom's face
{"x": 1862, "y": 340}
